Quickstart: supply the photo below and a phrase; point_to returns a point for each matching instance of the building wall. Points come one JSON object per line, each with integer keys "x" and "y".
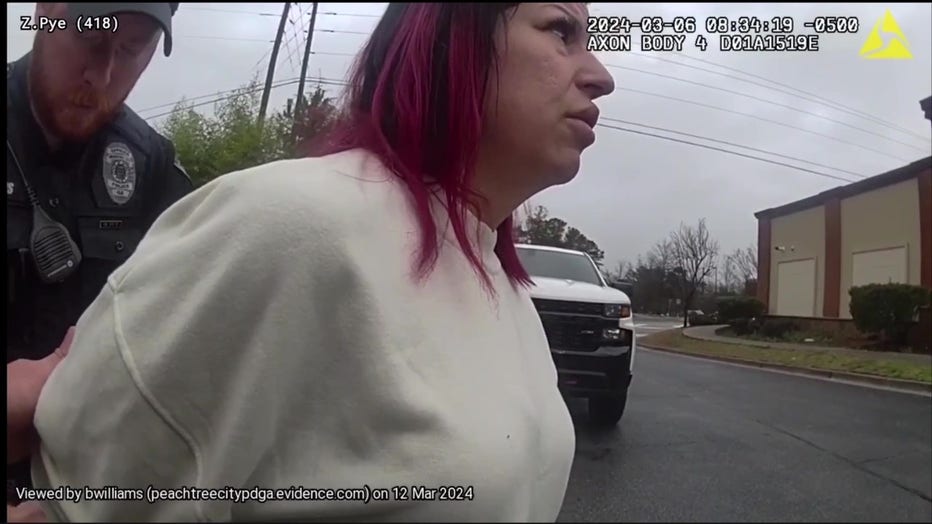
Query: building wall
{"x": 805, "y": 231}
{"x": 884, "y": 218}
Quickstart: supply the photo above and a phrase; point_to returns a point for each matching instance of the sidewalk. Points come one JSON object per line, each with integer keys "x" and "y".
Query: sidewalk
{"x": 659, "y": 317}
{"x": 707, "y": 333}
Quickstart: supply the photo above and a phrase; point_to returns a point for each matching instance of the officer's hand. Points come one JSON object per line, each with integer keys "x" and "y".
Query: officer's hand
{"x": 24, "y": 382}
{"x": 25, "y": 512}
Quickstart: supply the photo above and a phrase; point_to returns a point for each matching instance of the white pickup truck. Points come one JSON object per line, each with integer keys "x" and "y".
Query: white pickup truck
{"x": 589, "y": 325}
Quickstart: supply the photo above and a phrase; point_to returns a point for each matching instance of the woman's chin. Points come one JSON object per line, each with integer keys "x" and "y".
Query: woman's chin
{"x": 567, "y": 167}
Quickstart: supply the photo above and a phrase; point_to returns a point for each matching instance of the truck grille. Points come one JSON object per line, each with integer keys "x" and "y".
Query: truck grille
{"x": 562, "y": 306}
{"x": 576, "y": 326}
{"x": 572, "y": 333}
{"x": 575, "y": 333}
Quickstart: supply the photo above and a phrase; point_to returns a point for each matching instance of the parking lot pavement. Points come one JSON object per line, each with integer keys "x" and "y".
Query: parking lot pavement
{"x": 705, "y": 441}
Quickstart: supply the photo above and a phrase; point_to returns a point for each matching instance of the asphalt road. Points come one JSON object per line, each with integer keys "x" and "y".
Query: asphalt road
{"x": 704, "y": 441}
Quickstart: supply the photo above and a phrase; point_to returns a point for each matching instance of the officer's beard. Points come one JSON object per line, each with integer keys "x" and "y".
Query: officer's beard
{"x": 73, "y": 116}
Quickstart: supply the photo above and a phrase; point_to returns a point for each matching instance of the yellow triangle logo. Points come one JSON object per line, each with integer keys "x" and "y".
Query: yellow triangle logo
{"x": 896, "y": 49}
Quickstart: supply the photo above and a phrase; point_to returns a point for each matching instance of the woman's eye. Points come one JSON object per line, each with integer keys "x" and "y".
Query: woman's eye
{"x": 563, "y": 28}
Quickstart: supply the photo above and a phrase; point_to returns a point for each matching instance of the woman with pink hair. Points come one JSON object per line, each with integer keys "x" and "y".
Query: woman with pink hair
{"x": 346, "y": 335}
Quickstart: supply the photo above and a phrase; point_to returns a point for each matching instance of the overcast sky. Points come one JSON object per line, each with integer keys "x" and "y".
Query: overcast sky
{"x": 632, "y": 190}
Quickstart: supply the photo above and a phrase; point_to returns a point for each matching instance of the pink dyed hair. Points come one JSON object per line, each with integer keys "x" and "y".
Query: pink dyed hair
{"x": 415, "y": 100}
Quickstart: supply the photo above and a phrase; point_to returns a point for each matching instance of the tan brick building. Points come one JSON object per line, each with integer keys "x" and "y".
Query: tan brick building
{"x": 812, "y": 251}
{"x": 877, "y": 230}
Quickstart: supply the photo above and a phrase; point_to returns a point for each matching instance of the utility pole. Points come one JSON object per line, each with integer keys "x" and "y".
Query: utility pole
{"x": 271, "y": 74}
{"x": 307, "y": 57}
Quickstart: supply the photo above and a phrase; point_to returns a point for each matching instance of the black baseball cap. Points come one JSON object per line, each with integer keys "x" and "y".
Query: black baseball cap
{"x": 162, "y": 13}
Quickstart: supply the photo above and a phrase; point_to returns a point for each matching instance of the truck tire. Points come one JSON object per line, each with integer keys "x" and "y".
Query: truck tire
{"x": 605, "y": 412}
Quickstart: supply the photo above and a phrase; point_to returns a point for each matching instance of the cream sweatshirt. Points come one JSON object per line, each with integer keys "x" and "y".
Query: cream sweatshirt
{"x": 268, "y": 333}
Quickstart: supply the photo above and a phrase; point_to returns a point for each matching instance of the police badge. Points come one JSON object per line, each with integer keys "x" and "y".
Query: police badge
{"x": 119, "y": 172}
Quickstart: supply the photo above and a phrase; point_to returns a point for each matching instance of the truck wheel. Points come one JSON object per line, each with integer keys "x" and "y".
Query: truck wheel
{"x": 607, "y": 411}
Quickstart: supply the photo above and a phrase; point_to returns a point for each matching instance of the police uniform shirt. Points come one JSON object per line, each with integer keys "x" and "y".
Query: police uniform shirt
{"x": 107, "y": 193}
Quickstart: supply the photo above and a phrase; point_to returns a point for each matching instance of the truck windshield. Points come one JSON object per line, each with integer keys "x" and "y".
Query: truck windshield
{"x": 554, "y": 264}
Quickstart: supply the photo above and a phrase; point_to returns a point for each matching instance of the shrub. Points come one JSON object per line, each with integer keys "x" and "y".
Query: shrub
{"x": 733, "y": 308}
{"x": 742, "y": 326}
{"x": 886, "y": 309}
{"x": 778, "y": 327}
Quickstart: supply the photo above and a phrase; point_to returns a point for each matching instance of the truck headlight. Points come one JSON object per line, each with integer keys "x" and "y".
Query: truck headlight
{"x": 611, "y": 334}
{"x": 617, "y": 310}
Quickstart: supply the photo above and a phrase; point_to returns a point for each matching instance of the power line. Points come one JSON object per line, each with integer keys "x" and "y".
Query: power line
{"x": 305, "y": 61}
{"x": 322, "y": 81}
{"x": 225, "y": 38}
{"x": 255, "y": 68}
{"x": 865, "y": 115}
{"x": 286, "y": 41}
{"x": 825, "y": 101}
{"x": 332, "y": 54}
{"x": 325, "y": 81}
{"x": 302, "y": 31}
{"x": 756, "y": 117}
{"x": 232, "y": 94}
{"x": 292, "y": 36}
{"x": 792, "y": 108}
{"x": 220, "y": 99}
{"x": 304, "y": 35}
{"x": 299, "y": 38}
{"x": 331, "y": 13}
{"x": 752, "y": 157}
{"x": 291, "y": 53}
{"x": 216, "y": 93}
{"x": 186, "y": 8}
{"x": 733, "y": 144}
{"x": 334, "y": 82}
{"x": 187, "y": 99}
{"x": 331, "y": 82}
{"x": 284, "y": 83}
{"x": 273, "y": 61}
{"x": 342, "y": 31}
{"x": 829, "y": 104}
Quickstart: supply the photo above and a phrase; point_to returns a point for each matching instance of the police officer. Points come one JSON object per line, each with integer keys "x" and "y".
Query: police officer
{"x": 86, "y": 176}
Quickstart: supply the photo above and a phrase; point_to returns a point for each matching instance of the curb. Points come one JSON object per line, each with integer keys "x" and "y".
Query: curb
{"x": 893, "y": 383}
{"x": 727, "y": 340}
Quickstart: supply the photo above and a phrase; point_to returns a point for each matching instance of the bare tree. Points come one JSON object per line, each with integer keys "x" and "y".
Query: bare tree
{"x": 623, "y": 269}
{"x": 744, "y": 262}
{"x": 654, "y": 283}
{"x": 693, "y": 253}
{"x": 661, "y": 255}
{"x": 732, "y": 281}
